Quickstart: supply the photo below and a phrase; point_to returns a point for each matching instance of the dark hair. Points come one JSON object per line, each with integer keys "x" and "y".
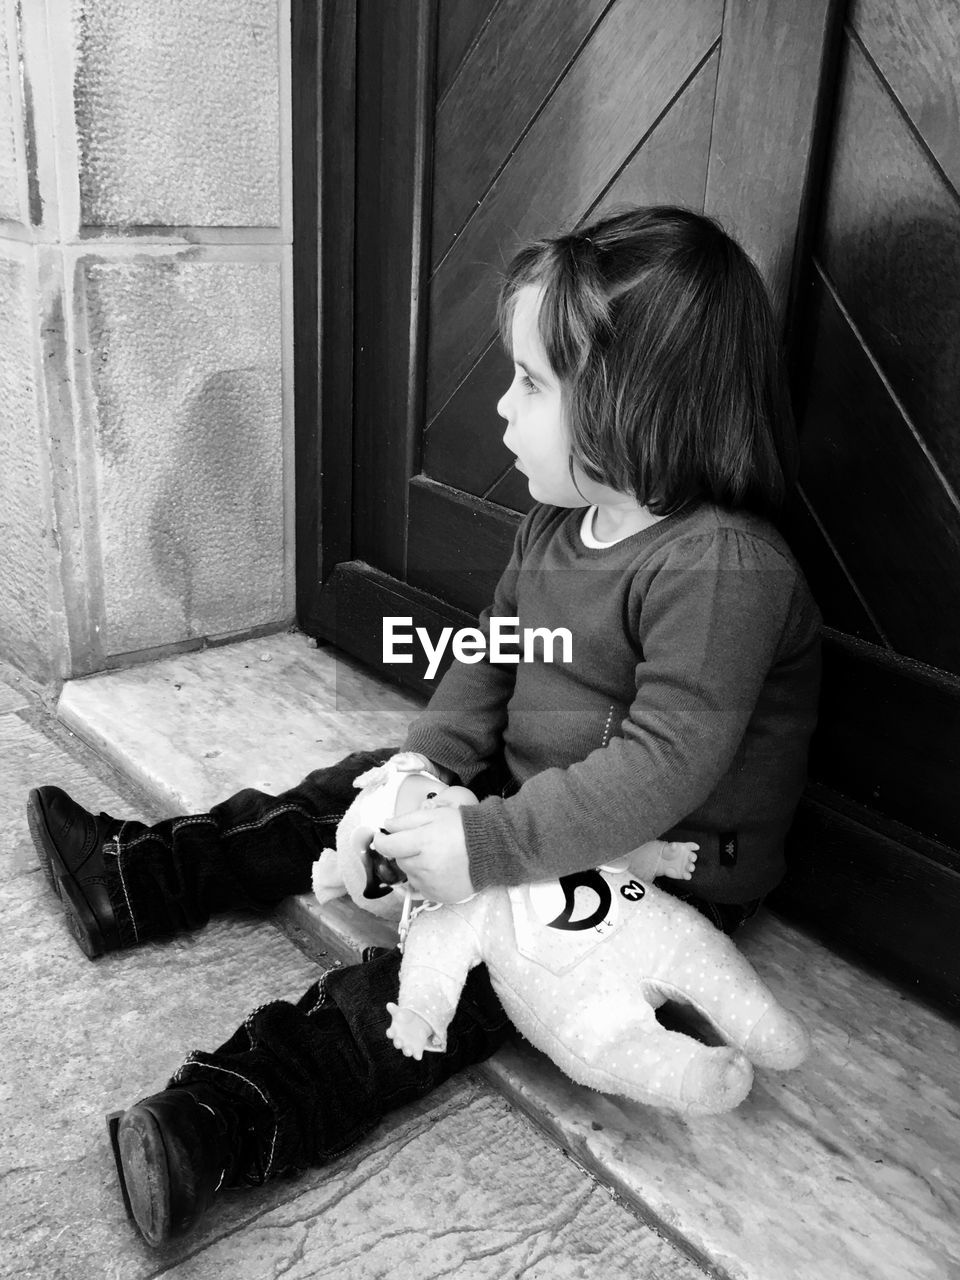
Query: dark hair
{"x": 661, "y": 333}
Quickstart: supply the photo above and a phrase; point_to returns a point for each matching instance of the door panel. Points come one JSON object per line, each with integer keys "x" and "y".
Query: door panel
{"x": 460, "y": 23}
{"x": 508, "y": 76}
{"x": 443, "y": 523}
{"x": 849, "y": 615}
{"x": 776, "y": 67}
{"x": 874, "y": 486}
{"x": 511, "y": 491}
{"x": 669, "y": 165}
{"x": 890, "y": 243}
{"x": 461, "y": 444}
{"x": 638, "y": 58}
{"x": 915, "y": 46}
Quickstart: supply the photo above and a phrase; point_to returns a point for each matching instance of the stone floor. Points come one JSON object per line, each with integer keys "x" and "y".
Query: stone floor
{"x": 846, "y": 1168}
{"x": 460, "y": 1185}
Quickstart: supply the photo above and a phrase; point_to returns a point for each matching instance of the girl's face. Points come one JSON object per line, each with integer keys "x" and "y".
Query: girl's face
{"x": 533, "y": 409}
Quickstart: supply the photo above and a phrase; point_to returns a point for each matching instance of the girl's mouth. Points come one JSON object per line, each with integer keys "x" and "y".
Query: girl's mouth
{"x": 520, "y": 467}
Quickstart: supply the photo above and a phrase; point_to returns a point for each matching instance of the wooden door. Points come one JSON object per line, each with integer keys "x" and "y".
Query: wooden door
{"x": 876, "y": 523}
{"x": 476, "y": 125}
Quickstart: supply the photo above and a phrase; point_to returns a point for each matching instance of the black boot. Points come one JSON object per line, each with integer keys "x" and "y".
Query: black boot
{"x": 175, "y": 1151}
{"x": 69, "y": 843}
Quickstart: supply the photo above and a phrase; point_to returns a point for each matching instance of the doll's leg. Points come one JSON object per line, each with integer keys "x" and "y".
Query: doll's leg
{"x": 726, "y": 988}
{"x": 125, "y": 882}
{"x": 675, "y": 859}
{"x": 295, "y": 1086}
{"x": 658, "y": 1067}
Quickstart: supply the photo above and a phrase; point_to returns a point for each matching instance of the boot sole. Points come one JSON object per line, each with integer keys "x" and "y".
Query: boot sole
{"x": 144, "y": 1172}
{"x": 81, "y": 921}
{"x": 41, "y": 839}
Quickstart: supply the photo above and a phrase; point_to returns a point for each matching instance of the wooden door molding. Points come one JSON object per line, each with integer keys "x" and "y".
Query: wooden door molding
{"x": 324, "y": 38}
{"x": 358, "y": 597}
{"x": 362, "y": 102}
{"x": 394, "y": 141}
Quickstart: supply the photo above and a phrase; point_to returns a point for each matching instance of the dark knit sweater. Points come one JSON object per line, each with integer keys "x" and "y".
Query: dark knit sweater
{"x": 687, "y": 708}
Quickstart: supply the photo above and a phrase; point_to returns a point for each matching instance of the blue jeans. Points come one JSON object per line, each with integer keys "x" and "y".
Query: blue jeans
{"x": 315, "y": 1076}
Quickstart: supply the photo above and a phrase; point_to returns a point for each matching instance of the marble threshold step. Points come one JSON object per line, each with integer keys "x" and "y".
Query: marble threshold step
{"x": 847, "y": 1167}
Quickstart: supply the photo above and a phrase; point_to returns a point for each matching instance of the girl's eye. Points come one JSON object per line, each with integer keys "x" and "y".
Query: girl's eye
{"x": 527, "y": 383}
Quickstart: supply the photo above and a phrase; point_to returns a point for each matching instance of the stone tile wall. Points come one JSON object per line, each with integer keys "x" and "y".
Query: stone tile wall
{"x": 9, "y": 167}
{"x": 146, "y": 467}
{"x": 31, "y": 610}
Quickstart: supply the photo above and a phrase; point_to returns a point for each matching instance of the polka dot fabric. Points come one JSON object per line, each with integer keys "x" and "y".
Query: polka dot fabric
{"x": 583, "y": 985}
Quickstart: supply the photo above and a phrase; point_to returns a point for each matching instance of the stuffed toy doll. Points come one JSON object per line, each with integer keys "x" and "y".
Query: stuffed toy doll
{"x": 579, "y": 964}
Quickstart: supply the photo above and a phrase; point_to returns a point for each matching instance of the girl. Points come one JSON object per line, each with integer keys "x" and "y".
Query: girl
{"x": 649, "y": 415}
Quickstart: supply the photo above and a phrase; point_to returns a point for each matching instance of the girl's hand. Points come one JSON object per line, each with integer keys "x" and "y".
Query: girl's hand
{"x": 429, "y": 847}
{"x": 408, "y": 1031}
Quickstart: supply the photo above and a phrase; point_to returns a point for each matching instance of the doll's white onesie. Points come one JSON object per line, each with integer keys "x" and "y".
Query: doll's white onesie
{"x": 580, "y": 965}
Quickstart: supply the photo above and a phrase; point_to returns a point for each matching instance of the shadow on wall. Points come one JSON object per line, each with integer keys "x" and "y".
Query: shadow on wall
{"x": 214, "y": 524}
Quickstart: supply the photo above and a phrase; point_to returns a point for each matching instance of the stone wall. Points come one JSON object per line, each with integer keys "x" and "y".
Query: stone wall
{"x": 146, "y": 431}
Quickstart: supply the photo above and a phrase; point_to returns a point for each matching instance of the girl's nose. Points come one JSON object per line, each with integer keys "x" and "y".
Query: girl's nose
{"x": 503, "y": 406}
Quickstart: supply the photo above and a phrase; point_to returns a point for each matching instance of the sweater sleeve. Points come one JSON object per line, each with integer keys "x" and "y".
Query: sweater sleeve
{"x": 462, "y": 725}
{"x": 710, "y": 625}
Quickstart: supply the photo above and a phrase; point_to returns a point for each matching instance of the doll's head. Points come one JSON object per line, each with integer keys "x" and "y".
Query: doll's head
{"x": 417, "y": 791}
{"x": 354, "y": 867}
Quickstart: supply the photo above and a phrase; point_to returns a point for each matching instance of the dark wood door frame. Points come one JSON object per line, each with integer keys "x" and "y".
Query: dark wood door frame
{"x": 394, "y": 148}
{"x": 344, "y": 53}
{"x": 324, "y": 44}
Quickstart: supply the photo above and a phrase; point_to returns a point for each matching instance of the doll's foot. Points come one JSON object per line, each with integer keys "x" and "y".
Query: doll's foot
{"x": 408, "y": 1031}
{"x": 716, "y": 1080}
{"x": 175, "y": 1151}
{"x": 779, "y": 1041}
{"x": 678, "y": 859}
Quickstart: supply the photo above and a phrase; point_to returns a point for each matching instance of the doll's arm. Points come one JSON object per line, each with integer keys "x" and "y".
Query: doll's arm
{"x": 409, "y": 1032}
{"x": 441, "y": 949}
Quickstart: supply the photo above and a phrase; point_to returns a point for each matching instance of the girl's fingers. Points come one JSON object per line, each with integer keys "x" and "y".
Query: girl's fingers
{"x": 408, "y": 821}
{"x": 400, "y": 844}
